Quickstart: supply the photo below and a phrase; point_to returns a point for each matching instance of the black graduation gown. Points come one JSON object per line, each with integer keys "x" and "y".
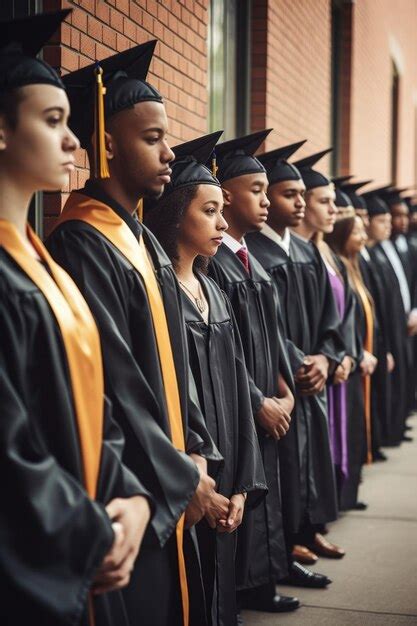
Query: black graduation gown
{"x": 53, "y": 537}
{"x": 133, "y": 380}
{"x": 381, "y": 379}
{"x": 356, "y": 419}
{"x": 219, "y": 370}
{"x": 396, "y": 327}
{"x": 261, "y": 557}
{"x": 311, "y": 326}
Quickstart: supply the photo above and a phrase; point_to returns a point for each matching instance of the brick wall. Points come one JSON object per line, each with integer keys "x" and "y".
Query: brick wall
{"x": 98, "y": 28}
{"x": 292, "y": 72}
{"x": 382, "y": 29}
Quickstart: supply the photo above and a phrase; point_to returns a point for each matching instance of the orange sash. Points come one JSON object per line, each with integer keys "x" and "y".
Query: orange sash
{"x": 109, "y": 224}
{"x": 81, "y": 343}
{"x": 368, "y": 345}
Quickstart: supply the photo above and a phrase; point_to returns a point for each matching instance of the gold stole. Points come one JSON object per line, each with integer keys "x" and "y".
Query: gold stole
{"x": 368, "y": 345}
{"x": 109, "y": 224}
{"x": 81, "y": 343}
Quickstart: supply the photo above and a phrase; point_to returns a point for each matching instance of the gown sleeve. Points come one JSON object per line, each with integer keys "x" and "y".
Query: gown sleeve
{"x": 170, "y": 475}
{"x": 53, "y": 536}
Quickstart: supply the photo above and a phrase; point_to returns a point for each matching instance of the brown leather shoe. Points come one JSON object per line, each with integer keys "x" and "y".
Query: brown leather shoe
{"x": 304, "y": 555}
{"x": 324, "y": 548}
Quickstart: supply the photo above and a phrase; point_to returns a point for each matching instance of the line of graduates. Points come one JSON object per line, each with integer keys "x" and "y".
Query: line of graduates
{"x": 199, "y": 363}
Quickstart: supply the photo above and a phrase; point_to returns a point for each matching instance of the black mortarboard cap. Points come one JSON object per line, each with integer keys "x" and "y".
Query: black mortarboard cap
{"x": 350, "y": 189}
{"x": 236, "y": 157}
{"x": 124, "y": 80}
{"x": 189, "y": 167}
{"x": 392, "y": 195}
{"x": 277, "y": 167}
{"x": 312, "y": 178}
{"x": 375, "y": 203}
{"x": 338, "y": 181}
{"x": 342, "y": 199}
{"x": 20, "y": 42}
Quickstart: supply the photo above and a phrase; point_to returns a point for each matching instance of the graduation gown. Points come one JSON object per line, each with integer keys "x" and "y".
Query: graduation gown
{"x": 117, "y": 297}
{"x": 53, "y": 536}
{"x": 395, "y": 325}
{"x": 381, "y": 379}
{"x": 219, "y": 370}
{"x": 261, "y": 556}
{"x": 311, "y": 326}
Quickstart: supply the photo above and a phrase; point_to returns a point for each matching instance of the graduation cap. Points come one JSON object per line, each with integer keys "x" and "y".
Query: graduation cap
{"x": 277, "y": 167}
{"x": 350, "y": 190}
{"x": 392, "y": 195}
{"x": 189, "y": 166}
{"x": 312, "y": 178}
{"x": 374, "y": 201}
{"x": 338, "y": 181}
{"x": 236, "y": 157}
{"x": 100, "y": 90}
{"x": 20, "y": 41}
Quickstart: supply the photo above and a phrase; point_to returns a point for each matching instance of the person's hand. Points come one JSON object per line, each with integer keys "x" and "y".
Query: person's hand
{"x": 234, "y": 516}
{"x": 312, "y": 376}
{"x": 273, "y": 418}
{"x": 368, "y": 363}
{"x": 201, "y": 500}
{"x": 218, "y": 509}
{"x": 412, "y": 324}
{"x": 342, "y": 371}
{"x": 390, "y": 362}
{"x": 130, "y": 518}
{"x": 287, "y": 402}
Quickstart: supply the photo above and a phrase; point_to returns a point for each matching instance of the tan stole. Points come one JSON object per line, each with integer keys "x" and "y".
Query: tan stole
{"x": 81, "y": 343}
{"x": 368, "y": 345}
{"x": 109, "y": 224}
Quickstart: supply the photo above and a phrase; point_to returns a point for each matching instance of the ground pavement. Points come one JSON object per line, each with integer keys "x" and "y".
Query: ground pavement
{"x": 375, "y": 584}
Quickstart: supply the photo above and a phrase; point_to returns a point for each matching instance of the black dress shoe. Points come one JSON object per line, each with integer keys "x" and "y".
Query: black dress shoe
{"x": 379, "y": 456}
{"x": 408, "y": 427}
{"x": 260, "y": 600}
{"x": 300, "y": 576}
{"x": 407, "y": 438}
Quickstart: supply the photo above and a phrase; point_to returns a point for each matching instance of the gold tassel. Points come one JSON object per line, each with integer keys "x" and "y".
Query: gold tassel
{"x": 139, "y": 210}
{"x": 214, "y": 167}
{"x": 101, "y": 167}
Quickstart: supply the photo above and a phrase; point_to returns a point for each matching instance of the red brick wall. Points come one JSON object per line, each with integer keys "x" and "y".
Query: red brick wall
{"x": 294, "y": 37}
{"x": 98, "y": 28}
{"x": 382, "y": 27}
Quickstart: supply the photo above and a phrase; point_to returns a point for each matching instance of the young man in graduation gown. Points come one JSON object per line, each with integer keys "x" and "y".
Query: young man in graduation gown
{"x": 311, "y": 327}
{"x": 400, "y": 225}
{"x": 131, "y": 288}
{"x": 262, "y": 559}
{"x": 63, "y": 483}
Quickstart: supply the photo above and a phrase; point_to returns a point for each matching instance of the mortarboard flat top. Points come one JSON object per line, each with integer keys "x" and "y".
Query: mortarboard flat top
{"x": 338, "y": 181}
{"x": 20, "y": 42}
{"x": 236, "y": 157}
{"x": 277, "y": 167}
{"x": 189, "y": 167}
{"x": 124, "y": 77}
{"x": 312, "y": 178}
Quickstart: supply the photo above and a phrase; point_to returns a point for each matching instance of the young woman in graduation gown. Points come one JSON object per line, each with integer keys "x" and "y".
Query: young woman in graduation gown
{"x": 188, "y": 221}
{"x": 62, "y": 479}
{"x": 312, "y": 330}
{"x": 346, "y": 240}
{"x": 130, "y": 285}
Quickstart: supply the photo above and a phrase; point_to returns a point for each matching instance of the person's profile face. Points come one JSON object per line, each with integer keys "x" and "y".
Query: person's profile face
{"x": 287, "y": 208}
{"x": 321, "y": 209}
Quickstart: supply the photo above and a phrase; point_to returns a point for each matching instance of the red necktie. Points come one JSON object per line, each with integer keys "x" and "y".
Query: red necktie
{"x": 242, "y": 253}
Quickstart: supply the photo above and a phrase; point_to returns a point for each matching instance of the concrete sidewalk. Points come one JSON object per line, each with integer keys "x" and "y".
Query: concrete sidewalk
{"x": 376, "y": 582}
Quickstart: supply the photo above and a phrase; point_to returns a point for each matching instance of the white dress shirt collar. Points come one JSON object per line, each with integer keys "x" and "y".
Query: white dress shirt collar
{"x": 283, "y": 242}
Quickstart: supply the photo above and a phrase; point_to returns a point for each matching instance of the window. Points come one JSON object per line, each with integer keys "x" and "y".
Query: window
{"x": 395, "y": 97}
{"x": 9, "y": 10}
{"x": 229, "y": 67}
{"x": 341, "y": 85}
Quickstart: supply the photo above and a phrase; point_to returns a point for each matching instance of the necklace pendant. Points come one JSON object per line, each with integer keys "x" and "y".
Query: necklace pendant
{"x": 200, "y": 304}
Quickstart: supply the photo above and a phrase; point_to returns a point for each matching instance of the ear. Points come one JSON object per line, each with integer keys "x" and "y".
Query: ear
{"x": 110, "y": 146}
{"x": 3, "y": 142}
{"x": 227, "y": 197}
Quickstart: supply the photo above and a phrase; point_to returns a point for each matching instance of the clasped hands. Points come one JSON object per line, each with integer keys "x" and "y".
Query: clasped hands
{"x": 220, "y": 512}
{"x": 312, "y": 375}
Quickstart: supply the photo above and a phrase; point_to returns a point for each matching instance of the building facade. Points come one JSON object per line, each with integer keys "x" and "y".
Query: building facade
{"x": 335, "y": 72}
